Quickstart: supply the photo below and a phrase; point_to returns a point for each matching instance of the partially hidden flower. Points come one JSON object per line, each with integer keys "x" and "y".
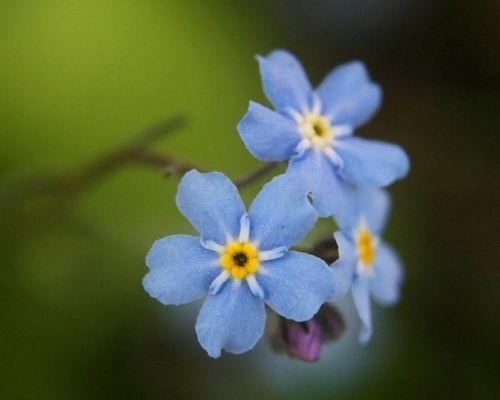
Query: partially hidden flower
{"x": 367, "y": 265}
{"x": 305, "y": 340}
{"x": 240, "y": 262}
{"x": 313, "y": 128}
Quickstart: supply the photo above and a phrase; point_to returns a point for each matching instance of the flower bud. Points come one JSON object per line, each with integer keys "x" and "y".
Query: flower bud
{"x": 304, "y": 340}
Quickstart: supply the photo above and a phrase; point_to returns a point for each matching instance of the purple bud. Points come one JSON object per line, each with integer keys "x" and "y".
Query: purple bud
{"x": 305, "y": 340}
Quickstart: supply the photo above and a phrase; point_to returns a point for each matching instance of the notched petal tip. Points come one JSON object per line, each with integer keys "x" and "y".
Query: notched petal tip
{"x": 354, "y": 71}
{"x": 358, "y": 67}
{"x": 309, "y": 198}
{"x": 192, "y": 171}
{"x": 274, "y": 53}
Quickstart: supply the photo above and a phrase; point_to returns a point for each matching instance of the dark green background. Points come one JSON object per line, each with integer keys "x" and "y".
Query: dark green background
{"x": 78, "y": 78}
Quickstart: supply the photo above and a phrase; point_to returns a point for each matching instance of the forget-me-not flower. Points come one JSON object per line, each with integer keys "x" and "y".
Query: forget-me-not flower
{"x": 240, "y": 262}
{"x": 313, "y": 128}
{"x": 366, "y": 264}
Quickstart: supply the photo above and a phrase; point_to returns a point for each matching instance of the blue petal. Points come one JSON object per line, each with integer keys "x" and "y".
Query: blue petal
{"x": 348, "y": 96}
{"x": 370, "y": 162}
{"x": 211, "y": 203}
{"x": 388, "y": 276}
{"x": 285, "y": 82}
{"x": 371, "y": 204}
{"x": 374, "y": 205}
{"x": 232, "y": 320}
{"x": 180, "y": 269}
{"x": 267, "y": 134}
{"x": 330, "y": 194}
{"x": 345, "y": 267}
{"x": 361, "y": 296}
{"x": 281, "y": 214}
{"x": 296, "y": 285}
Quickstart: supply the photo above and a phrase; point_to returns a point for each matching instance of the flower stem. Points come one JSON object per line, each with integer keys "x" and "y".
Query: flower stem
{"x": 255, "y": 175}
{"x": 75, "y": 181}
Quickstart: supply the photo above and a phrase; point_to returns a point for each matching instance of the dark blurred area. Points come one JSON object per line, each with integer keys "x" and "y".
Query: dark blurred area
{"x": 79, "y": 78}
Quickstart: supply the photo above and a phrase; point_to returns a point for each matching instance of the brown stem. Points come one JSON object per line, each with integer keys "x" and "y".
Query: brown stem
{"x": 134, "y": 151}
{"x": 255, "y": 175}
{"x": 171, "y": 166}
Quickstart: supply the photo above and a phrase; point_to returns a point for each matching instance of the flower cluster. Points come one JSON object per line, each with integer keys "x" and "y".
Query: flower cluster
{"x": 243, "y": 260}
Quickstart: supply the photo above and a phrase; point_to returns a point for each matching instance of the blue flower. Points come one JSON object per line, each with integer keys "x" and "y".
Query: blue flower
{"x": 240, "y": 262}
{"x": 366, "y": 264}
{"x": 313, "y": 128}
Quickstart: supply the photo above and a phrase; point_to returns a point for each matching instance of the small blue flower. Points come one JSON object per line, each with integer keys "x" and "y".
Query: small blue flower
{"x": 366, "y": 264}
{"x": 313, "y": 128}
{"x": 241, "y": 261}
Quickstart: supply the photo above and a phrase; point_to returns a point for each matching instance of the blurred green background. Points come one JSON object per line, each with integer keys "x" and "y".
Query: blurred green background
{"x": 80, "y": 77}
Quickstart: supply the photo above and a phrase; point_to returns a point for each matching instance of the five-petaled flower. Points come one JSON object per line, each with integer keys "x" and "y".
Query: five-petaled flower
{"x": 366, "y": 264}
{"x": 241, "y": 261}
{"x": 313, "y": 128}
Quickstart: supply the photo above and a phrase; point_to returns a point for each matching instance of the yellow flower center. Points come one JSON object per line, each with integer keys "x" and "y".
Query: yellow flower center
{"x": 317, "y": 129}
{"x": 240, "y": 259}
{"x": 366, "y": 248}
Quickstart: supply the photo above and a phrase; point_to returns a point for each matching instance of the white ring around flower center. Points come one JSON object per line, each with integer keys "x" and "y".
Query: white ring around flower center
{"x": 318, "y": 132}
{"x": 317, "y": 129}
{"x": 251, "y": 256}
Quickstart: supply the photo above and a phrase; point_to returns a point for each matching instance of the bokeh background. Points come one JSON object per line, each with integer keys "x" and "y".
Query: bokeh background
{"x": 81, "y": 77}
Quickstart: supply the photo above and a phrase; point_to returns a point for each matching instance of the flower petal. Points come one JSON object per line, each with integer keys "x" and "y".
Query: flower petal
{"x": 388, "y": 276}
{"x": 296, "y": 285}
{"x": 370, "y": 162}
{"x": 370, "y": 204}
{"x": 361, "y": 297}
{"x": 348, "y": 96}
{"x": 180, "y": 269}
{"x": 315, "y": 172}
{"x": 212, "y": 204}
{"x": 232, "y": 320}
{"x": 267, "y": 134}
{"x": 281, "y": 214}
{"x": 344, "y": 268}
{"x": 284, "y": 80}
